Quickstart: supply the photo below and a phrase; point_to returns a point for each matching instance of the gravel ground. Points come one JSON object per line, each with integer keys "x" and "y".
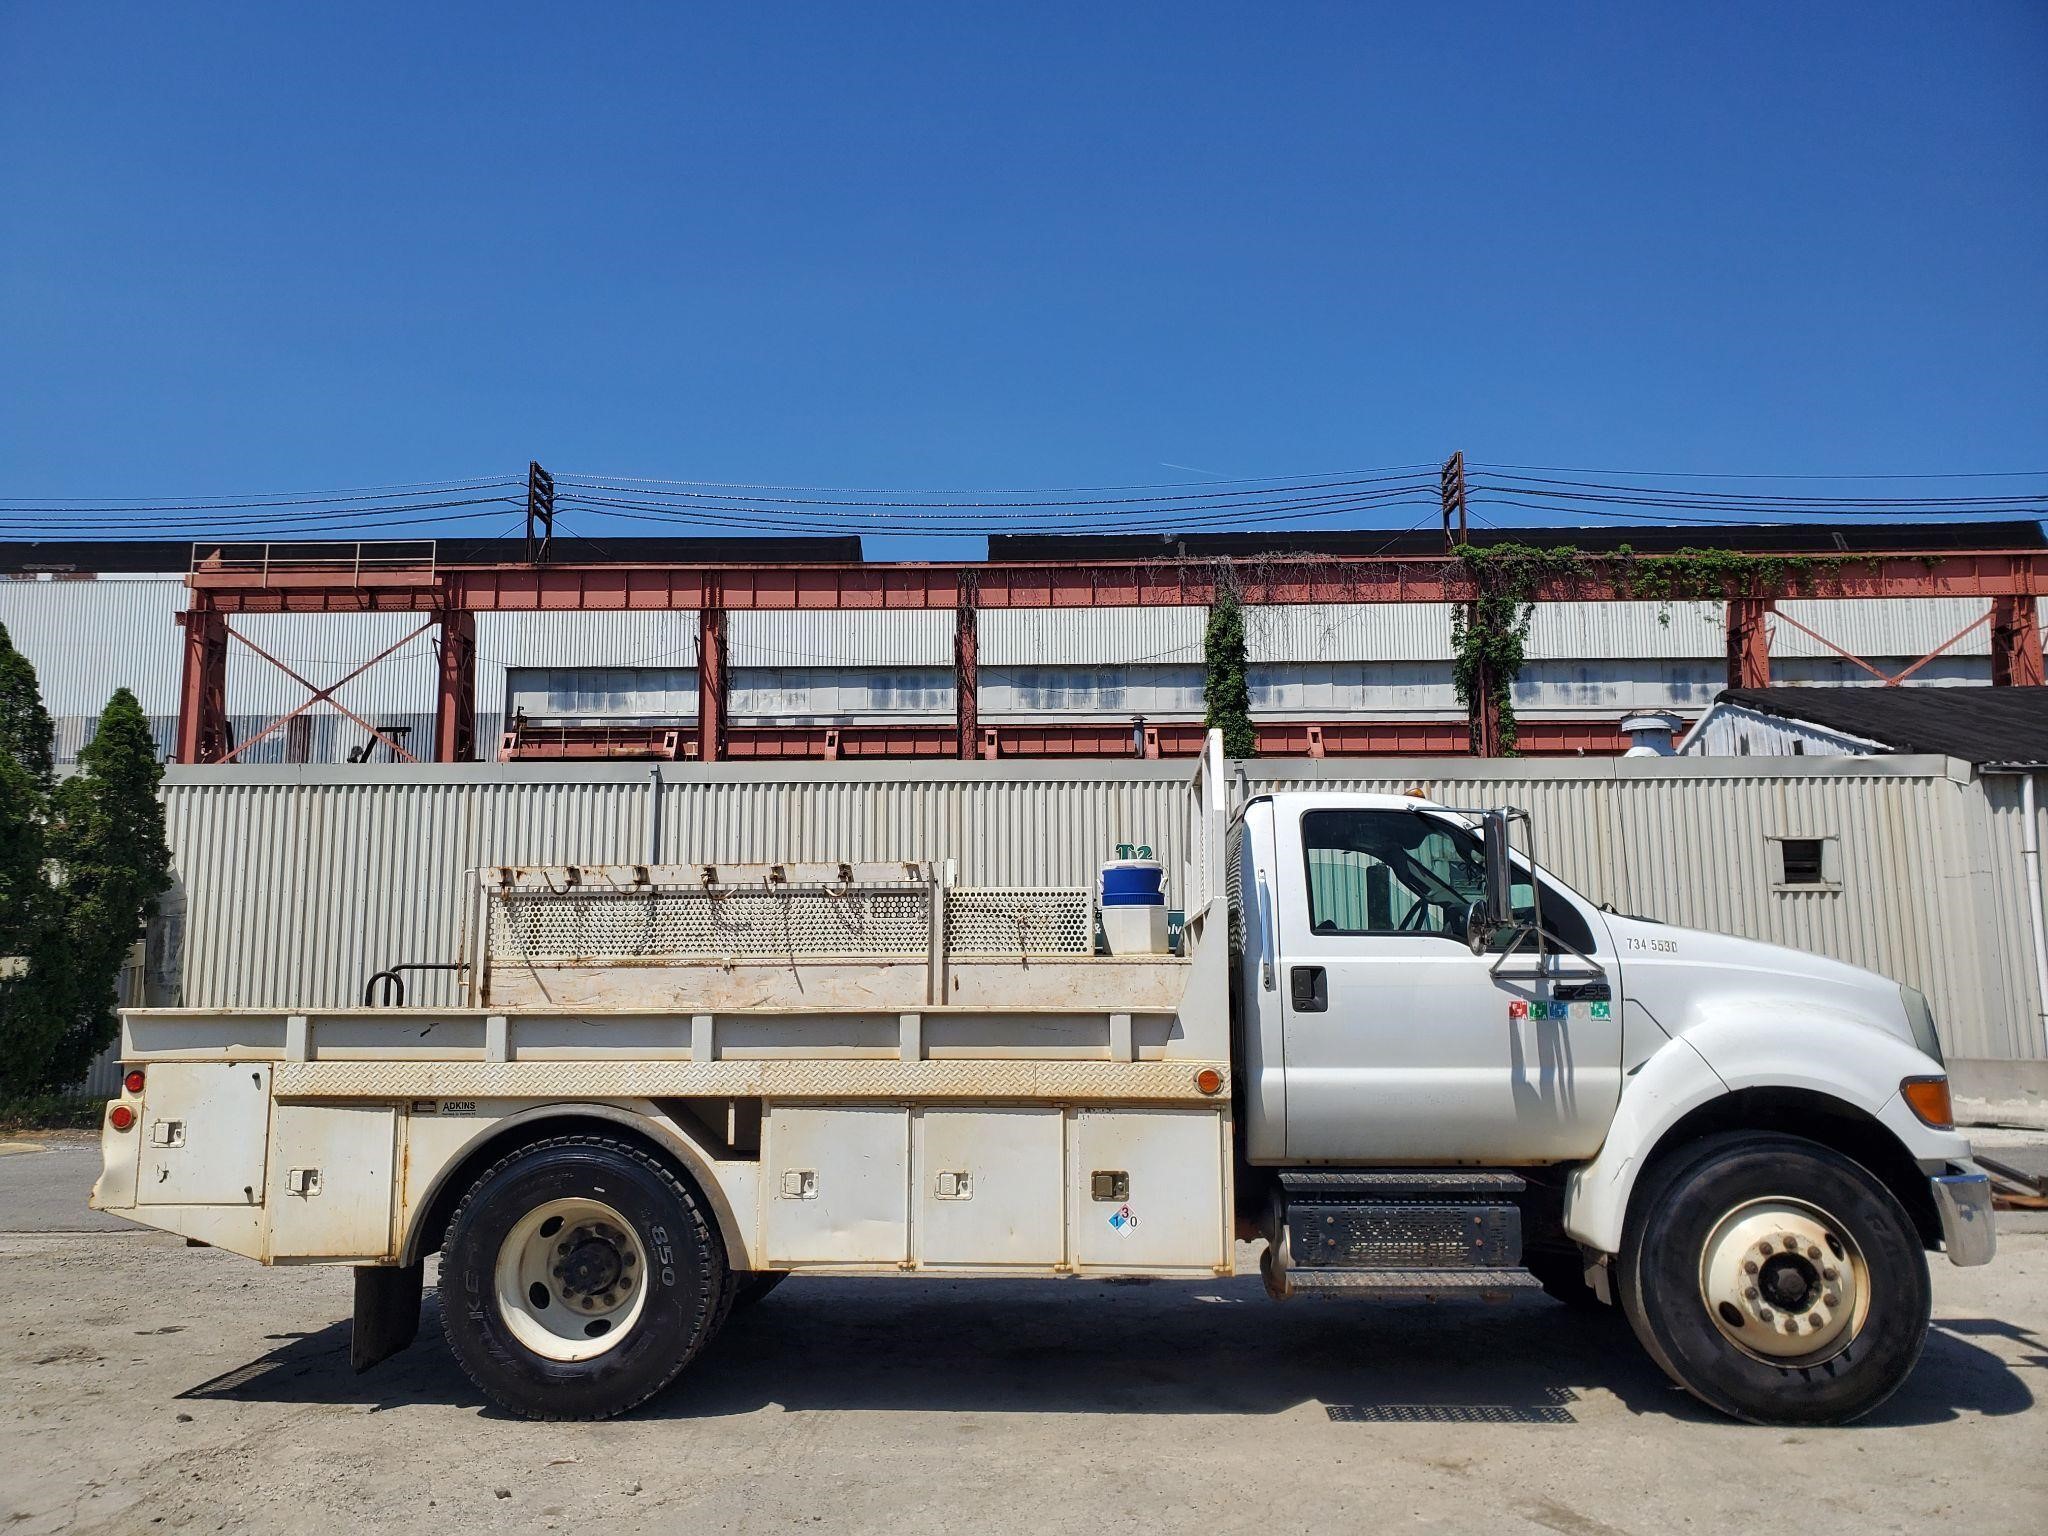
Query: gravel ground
{"x": 152, "y": 1387}
{"x": 149, "y": 1387}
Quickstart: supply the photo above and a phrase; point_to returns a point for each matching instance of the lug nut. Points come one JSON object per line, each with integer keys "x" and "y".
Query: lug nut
{"x": 1827, "y": 1272}
{"x": 1791, "y": 1325}
{"x": 1764, "y": 1313}
{"x": 1764, "y": 1246}
{"x": 1813, "y": 1250}
{"x": 1751, "y": 1293}
{"x": 1829, "y": 1298}
{"x": 1749, "y": 1266}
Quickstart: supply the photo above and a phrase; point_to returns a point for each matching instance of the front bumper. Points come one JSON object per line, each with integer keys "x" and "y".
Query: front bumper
{"x": 1962, "y": 1197}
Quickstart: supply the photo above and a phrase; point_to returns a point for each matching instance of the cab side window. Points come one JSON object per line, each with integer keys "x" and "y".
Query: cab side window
{"x": 1386, "y": 871}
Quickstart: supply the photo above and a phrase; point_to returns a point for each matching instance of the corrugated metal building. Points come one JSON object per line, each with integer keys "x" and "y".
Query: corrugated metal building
{"x": 296, "y": 884}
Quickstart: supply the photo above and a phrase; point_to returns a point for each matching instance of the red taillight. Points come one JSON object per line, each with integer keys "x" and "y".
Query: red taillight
{"x": 133, "y": 1081}
{"x": 120, "y": 1117}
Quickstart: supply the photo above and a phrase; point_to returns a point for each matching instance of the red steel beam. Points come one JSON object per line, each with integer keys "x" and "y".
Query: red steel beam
{"x": 203, "y": 694}
{"x": 455, "y": 689}
{"x": 1749, "y": 643}
{"x": 1050, "y": 584}
{"x": 2015, "y": 643}
{"x": 966, "y": 673}
{"x": 712, "y": 677}
{"x": 934, "y": 741}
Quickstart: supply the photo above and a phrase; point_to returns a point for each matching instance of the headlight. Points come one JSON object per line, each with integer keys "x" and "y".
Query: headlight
{"x": 1921, "y": 1017}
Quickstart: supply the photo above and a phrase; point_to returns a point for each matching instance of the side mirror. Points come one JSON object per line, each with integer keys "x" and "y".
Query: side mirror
{"x": 1495, "y": 910}
{"x": 1479, "y": 929}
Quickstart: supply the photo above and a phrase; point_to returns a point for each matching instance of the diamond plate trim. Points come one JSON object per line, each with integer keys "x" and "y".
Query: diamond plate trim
{"x": 1114, "y": 1082}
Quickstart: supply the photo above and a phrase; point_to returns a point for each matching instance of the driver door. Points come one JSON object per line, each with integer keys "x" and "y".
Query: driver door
{"x": 1400, "y": 1044}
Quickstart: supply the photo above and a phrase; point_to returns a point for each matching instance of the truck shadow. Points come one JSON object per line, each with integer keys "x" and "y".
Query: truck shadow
{"x": 1091, "y": 1347}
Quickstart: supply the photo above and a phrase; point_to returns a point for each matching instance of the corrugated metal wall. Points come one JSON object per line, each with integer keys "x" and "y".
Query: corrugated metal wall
{"x": 1932, "y": 890}
{"x": 299, "y": 883}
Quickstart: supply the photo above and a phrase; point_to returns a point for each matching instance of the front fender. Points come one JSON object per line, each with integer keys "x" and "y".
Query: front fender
{"x": 1818, "y": 1052}
{"x": 1674, "y": 1082}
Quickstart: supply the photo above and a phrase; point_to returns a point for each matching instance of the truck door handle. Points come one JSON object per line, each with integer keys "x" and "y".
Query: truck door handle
{"x": 1309, "y": 987}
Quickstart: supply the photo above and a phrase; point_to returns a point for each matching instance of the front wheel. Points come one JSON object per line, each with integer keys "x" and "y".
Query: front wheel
{"x": 579, "y": 1276}
{"x": 1776, "y": 1280}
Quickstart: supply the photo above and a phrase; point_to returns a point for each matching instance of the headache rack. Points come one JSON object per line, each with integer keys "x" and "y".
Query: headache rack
{"x": 845, "y": 934}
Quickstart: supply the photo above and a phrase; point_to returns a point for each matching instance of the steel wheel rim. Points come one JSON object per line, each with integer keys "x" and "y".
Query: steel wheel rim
{"x": 571, "y": 1279}
{"x": 1784, "y": 1282}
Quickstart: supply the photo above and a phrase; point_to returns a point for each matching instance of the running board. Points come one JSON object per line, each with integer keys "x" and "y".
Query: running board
{"x": 1411, "y": 1284}
{"x": 1395, "y": 1232}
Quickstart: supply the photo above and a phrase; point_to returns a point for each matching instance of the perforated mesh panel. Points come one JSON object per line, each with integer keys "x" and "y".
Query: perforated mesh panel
{"x": 991, "y": 920}
{"x": 682, "y": 924}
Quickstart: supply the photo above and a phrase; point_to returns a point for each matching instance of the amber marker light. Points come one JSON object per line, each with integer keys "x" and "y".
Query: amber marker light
{"x": 1927, "y": 1097}
{"x": 1209, "y": 1080}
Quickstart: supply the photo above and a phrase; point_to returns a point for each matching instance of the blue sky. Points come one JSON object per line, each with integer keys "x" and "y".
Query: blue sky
{"x": 255, "y": 248}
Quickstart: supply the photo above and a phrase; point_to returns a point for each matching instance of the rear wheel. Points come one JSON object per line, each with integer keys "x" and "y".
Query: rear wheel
{"x": 1776, "y": 1280}
{"x": 579, "y": 1276}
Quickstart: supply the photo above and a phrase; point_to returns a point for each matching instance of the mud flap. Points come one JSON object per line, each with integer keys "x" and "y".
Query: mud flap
{"x": 387, "y": 1312}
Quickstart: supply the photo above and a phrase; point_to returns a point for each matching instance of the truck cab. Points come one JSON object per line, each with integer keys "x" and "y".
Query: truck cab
{"x": 1456, "y": 1071}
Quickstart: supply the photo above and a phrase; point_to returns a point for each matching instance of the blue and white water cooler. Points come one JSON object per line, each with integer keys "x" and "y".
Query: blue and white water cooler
{"x": 1134, "y": 906}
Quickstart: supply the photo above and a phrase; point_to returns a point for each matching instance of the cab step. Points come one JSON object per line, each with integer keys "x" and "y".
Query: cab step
{"x": 1411, "y": 1284}
{"x": 1396, "y": 1233}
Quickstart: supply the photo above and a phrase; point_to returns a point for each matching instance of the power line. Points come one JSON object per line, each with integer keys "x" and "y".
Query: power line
{"x": 1695, "y": 474}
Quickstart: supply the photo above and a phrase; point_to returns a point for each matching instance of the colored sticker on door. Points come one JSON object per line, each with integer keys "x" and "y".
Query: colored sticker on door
{"x": 1123, "y": 1223}
{"x": 1600, "y": 1010}
{"x": 1517, "y": 1009}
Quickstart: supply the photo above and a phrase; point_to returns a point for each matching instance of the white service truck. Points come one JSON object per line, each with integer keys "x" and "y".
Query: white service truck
{"x": 1387, "y": 1044}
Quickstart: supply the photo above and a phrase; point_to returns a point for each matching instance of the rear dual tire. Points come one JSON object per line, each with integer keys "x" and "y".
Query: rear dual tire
{"x": 1775, "y": 1279}
{"x": 578, "y": 1277}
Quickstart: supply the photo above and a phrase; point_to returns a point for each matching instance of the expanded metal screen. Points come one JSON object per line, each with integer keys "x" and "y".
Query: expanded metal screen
{"x": 879, "y": 921}
{"x": 816, "y": 922}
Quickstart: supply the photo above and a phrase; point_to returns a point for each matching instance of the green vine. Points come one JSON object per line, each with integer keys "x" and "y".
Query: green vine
{"x": 1489, "y": 632}
{"x": 1226, "y": 682}
{"x": 1490, "y": 629}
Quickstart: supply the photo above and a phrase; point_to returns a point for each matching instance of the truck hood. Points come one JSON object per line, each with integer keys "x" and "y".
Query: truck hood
{"x": 1685, "y": 976}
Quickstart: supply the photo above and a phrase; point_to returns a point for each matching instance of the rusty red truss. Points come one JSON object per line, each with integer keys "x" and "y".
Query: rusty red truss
{"x": 2007, "y": 580}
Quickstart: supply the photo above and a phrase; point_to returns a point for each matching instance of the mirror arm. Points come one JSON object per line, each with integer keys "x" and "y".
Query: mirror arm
{"x": 1542, "y": 936}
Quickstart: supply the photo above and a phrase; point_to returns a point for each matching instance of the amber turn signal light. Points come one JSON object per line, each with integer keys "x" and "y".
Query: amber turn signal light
{"x": 1927, "y": 1097}
{"x": 133, "y": 1081}
{"x": 120, "y": 1117}
{"x": 1209, "y": 1080}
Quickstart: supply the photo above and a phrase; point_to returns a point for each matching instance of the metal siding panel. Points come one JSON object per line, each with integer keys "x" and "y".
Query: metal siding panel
{"x": 87, "y": 638}
{"x": 856, "y": 637}
{"x": 1609, "y": 631}
{"x": 1284, "y": 632}
{"x": 1085, "y": 636}
{"x": 1902, "y": 627}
